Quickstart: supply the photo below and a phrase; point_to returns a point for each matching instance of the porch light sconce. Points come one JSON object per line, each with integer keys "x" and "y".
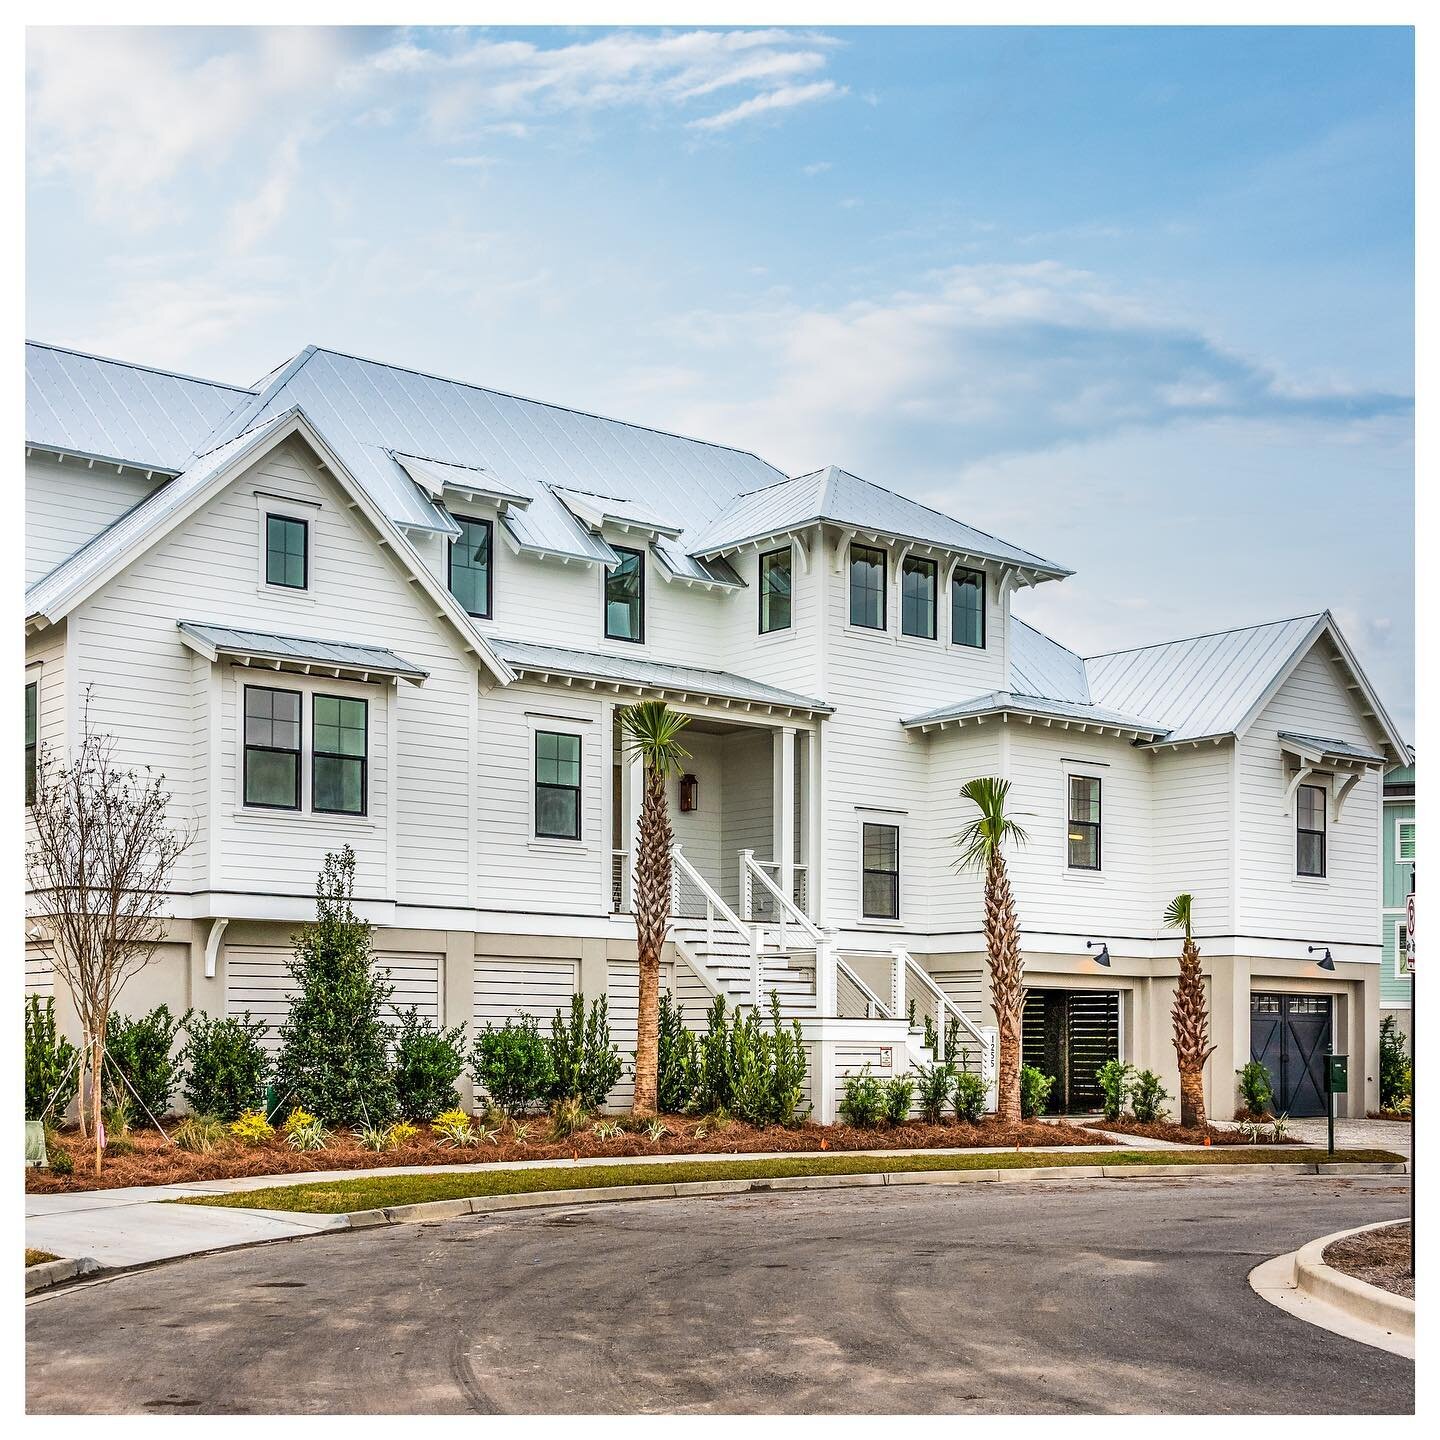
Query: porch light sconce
{"x": 1326, "y": 960}
{"x": 689, "y": 793}
{"x": 1103, "y": 958}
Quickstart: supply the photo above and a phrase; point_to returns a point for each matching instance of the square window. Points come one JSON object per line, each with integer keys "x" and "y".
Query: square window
{"x": 286, "y": 552}
{"x": 271, "y": 765}
{"x": 339, "y": 731}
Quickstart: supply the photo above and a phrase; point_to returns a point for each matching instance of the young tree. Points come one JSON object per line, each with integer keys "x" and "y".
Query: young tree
{"x": 333, "y": 1045}
{"x": 982, "y": 847}
{"x": 1190, "y": 1018}
{"x": 98, "y": 861}
{"x": 652, "y": 730}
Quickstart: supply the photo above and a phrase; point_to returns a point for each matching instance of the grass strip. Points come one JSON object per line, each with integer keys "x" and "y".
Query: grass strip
{"x": 375, "y": 1192}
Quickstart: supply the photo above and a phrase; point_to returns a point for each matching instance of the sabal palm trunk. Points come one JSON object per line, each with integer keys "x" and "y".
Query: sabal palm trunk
{"x": 1191, "y": 1021}
{"x": 652, "y": 916}
{"x": 1007, "y": 982}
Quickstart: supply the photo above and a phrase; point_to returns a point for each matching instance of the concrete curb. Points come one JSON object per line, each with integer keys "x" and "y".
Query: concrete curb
{"x": 1365, "y": 1302}
{"x": 57, "y": 1272}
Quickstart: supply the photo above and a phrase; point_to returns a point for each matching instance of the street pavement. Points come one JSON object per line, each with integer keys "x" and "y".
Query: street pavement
{"x": 1057, "y": 1296}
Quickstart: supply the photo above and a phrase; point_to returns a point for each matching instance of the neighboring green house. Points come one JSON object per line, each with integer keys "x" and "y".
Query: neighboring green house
{"x": 1399, "y": 842}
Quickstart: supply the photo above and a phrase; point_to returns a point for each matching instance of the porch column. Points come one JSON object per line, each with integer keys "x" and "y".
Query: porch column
{"x": 783, "y": 808}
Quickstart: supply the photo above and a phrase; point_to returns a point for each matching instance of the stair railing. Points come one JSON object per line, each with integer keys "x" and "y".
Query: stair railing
{"x": 848, "y": 981}
{"x": 786, "y": 910}
{"x": 986, "y": 1037}
{"x": 716, "y": 910}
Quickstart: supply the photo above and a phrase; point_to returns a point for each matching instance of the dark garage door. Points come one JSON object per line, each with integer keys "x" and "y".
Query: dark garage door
{"x": 1070, "y": 1034}
{"x": 1289, "y": 1035}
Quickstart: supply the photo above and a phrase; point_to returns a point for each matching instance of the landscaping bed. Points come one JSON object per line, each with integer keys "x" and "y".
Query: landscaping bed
{"x": 38, "y": 1257}
{"x": 1180, "y": 1135}
{"x": 1378, "y": 1257}
{"x": 155, "y": 1161}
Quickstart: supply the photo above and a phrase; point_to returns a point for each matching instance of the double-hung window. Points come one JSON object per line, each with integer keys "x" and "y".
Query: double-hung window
{"x": 470, "y": 581}
{"x": 272, "y": 748}
{"x": 1083, "y": 827}
{"x": 967, "y": 608}
{"x": 880, "y": 871}
{"x": 32, "y": 723}
{"x": 557, "y": 785}
{"x": 287, "y": 543}
{"x": 867, "y": 587}
{"x": 625, "y": 597}
{"x": 775, "y": 574}
{"x": 1310, "y": 831}
{"x": 340, "y": 755}
{"x": 918, "y": 586}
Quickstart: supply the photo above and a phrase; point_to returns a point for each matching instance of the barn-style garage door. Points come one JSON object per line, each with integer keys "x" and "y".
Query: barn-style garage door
{"x": 1070, "y": 1034}
{"x": 1289, "y": 1035}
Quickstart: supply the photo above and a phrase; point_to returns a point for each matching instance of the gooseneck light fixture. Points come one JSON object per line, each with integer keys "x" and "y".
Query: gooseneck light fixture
{"x": 1326, "y": 960}
{"x": 1103, "y": 958}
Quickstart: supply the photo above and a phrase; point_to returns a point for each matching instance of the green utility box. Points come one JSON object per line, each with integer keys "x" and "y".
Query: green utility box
{"x": 1337, "y": 1074}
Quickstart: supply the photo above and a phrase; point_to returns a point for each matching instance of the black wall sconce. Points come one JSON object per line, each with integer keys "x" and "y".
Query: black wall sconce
{"x": 689, "y": 793}
{"x": 1103, "y": 958}
{"x": 1326, "y": 960}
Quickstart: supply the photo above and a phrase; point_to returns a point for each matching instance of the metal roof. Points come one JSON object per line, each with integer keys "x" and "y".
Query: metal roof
{"x": 624, "y": 670}
{"x": 840, "y": 498}
{"x": 296, "y": 652}
{"x": 1203, "y": 686}
{"x": 1042, "y": 666}
{"x": 1005, "y": 702}
{"x": 597, "y": 511}
{"x": 86, "y": 405}
{"x": 1330, "y": 749}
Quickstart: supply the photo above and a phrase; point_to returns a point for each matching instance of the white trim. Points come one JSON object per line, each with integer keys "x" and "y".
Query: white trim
{"x": 1084, "y": 770}
{"x": 559, "y": 725}
{"x": 1399, "y": 859}
{"x": 897, "y": 820}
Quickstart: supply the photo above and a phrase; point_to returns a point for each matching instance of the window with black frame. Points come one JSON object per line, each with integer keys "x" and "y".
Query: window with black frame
{"x": 1083, "y": 831}
{"x": 286, "y": 552}
{"x": 880, "y": 871}
{"x": 625, "y": 597}
{"x": 775, "y": 572}
{"x": 557, "y": 785}
{"x": 967, "y": 609}
{"x": 918, "y": 586}
{"x": 470, "y": 581}
{"x": 1310, "y": 831}
{"x": 32, "y": 726}
{"x": 340, "y": 758}
{"x": 867, "y": 587}
{"x": 272, "y": 748}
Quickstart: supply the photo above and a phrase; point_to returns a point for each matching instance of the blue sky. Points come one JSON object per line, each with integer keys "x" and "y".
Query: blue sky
{"x": 1139, "y": 300}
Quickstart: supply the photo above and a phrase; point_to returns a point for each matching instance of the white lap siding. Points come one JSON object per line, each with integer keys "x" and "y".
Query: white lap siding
{"x": 504, "y": 989}
{"x": 39, "y": 973}
{"x": 69, "y": 502}
{"x": 622, "y": 1004}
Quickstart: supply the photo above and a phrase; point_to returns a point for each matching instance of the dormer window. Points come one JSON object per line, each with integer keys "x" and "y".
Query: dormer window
{"x": 287, "y": 547}
{"x": 967, "y": 609}
{"x": 775, "y": 573}
{"x": 867, "y": 587}
{"x": 625, "y": 597}
{"x": 470, "y": 581}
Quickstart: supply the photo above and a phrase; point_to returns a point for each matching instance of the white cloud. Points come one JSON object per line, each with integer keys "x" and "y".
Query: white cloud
{"x": 785, "y": 98}
{"x": 252, "y": 219}
{"x": 818, "y": 167}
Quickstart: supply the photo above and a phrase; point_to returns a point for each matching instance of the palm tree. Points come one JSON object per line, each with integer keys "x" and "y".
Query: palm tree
{"x": 651, "y": 729}
{"x": 982, "y": 847}
{"x": 1190, "y": 1018}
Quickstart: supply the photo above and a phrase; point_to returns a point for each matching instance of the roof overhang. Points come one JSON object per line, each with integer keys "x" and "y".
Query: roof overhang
{"x": 1340, "y": 754}
{"x": 595, "y": 512}
{"x": 140, "y": 467}
{"x": 1018, "y": 710}
{"x": 439, "y": 478}
{"x": 708, "y": 574}
{"x": 298, "y": 655}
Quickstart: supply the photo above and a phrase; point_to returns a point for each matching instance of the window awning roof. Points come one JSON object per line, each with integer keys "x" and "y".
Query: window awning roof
{"x": 297, "y": 654}
{"x": 1032, "y": 709}
{"x": 1316, "y": 749}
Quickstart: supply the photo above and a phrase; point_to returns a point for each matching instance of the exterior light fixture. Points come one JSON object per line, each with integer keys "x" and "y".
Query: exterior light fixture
{"x": 1326, "y": 960}
{"x": 1103, "y": 958}
{"x": 689, "y": 793}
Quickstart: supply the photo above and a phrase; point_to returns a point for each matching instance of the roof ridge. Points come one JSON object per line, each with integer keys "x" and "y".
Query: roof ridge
{"x": 1204, "y": 635}
{"x": 138, "y": 365}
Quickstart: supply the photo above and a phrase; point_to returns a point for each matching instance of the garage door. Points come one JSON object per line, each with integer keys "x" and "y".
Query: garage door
{"x": 1289, "y": 1035}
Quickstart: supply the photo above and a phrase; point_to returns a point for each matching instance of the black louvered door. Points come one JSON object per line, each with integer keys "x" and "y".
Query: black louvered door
{"x": 1070, "y": 1034}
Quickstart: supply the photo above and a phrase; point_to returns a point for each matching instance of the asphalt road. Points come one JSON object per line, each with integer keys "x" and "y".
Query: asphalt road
{"x": 1050, "y": 1297}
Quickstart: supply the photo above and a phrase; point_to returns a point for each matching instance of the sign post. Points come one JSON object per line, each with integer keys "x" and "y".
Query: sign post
{"x": 1337, "y": 1082}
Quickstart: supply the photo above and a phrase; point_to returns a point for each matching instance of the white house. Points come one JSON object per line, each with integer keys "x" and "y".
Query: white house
{"x": 358, "y": 604}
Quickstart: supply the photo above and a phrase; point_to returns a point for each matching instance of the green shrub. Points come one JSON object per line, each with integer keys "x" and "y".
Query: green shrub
{"x": 566, "y": 1117}
{"x": 227, "y": 1065}
{"x": 1255, "y": 1090}
{"x": 199, "y": 1134}
{"x": 899, "y": 1096}
{"x": 1147, "y": 1097}
{"x": 1114, "y": 1080}
{"x": 1394, "y": 1066}
{"x": 764, "y": 1069}
{"x": 679, "y": 1059}
{"x": 140, "y": 1051}
{"x": 513, "y": 1066}
{"x": 933, "y": 1091}
{"x": 712, "y": 1086}
{"x": 60, "y": 1162}
{"x": 969, "y": 1097}
{"x": 931, "y": 1041}
{"x": 862, "y": 1102}
{"x": 1035, "y": 1086}
{"x": 585, "y": 1061}
{"x": 333, "y": 1045}
{"x": 52, "y": 1068}
{"x": 428, "y": 1062}
{"x": 115, "y": 1117}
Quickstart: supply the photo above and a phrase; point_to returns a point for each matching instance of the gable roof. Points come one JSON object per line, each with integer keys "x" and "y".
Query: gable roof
{"x": 86, "y": 405}
{"x": 835, "y": 496}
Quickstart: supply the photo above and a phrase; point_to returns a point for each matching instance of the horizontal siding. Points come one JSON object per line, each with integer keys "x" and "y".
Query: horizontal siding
{"x": 623, "y": 1004}
{"x": 505, "y": 989}
{"x": 39, "y": 972}
{"x": 70, "y": 502}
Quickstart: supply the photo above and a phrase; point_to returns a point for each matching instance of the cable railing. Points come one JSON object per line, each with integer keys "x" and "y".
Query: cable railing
{"x": 764, "y": 902}
{"x": 854, "y": 999}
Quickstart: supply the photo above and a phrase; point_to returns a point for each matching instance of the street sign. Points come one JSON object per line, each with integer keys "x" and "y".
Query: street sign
{"x": 1410, "y": 932}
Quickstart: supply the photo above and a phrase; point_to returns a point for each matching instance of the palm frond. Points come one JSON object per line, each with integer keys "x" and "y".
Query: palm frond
{"x": 985, "y": 836}
{"x": 1177, "y": 914}
{"x": 652, "y": 729}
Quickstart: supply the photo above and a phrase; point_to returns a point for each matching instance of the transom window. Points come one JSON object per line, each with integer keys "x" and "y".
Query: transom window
{"x": 775, "y": 590}
{"x": 1405, "y": 840}
{"x": 272, "y": 748}
{"x": 340, "y": 733}
{"x": 867, "y": 587}
{"x": 1083, "y": 828}
{"x": 1310, "y": 831}
{"x": 32, "y": 725}
{"x": 557, "y": 785}
{"x": 470, "y": 567}
{"x": 286, "y": 552}
{"x": 918, "y": 587}
{"x": 880, "y": 871}
{"x": 625, "y": 597}
{"x": 967, "y": 609}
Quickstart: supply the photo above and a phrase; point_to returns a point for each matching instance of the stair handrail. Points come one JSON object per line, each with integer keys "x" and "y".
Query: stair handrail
{"x": 751, "y": 870}
{"x": 985, "y": 1039}
{"x": 715, "y": 905}
{"x": 871, "y": 998}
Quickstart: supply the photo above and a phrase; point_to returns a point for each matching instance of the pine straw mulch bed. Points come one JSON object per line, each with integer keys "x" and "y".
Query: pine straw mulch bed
{"x": 154, "y": 1161}
{"x": 1169, "y": 1130}
{"x": 1400, "y": 1117}
{"x": 1378, "y": 1257}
